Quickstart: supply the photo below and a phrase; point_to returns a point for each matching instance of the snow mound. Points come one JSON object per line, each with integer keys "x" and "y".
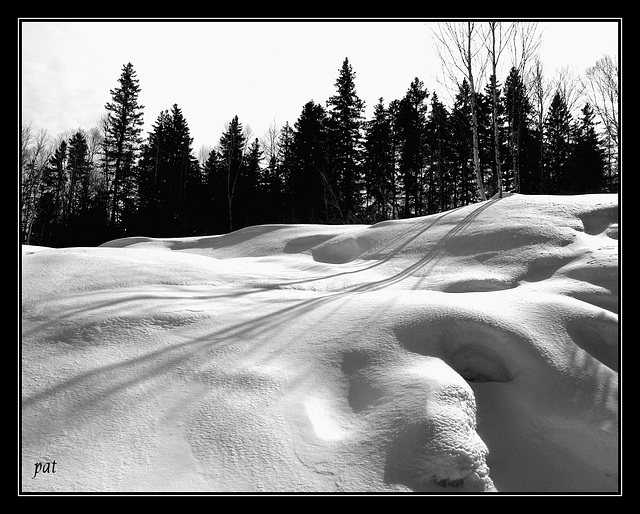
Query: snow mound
{"x": 474, "y": 350}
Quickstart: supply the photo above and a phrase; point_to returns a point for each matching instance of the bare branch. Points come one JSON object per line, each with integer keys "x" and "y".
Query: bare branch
{"x": 458, "y": 46}
{"x": 566, "y": 84}
{"x": 601, "y": 90}
{"x": 525, "y": 45}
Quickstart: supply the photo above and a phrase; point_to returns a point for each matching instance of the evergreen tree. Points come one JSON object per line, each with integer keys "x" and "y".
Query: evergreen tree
{"x": 79, "y": 172}
{"x": 462, "y": 146}
{"x": 215, "y": 212}
{"x": 556, "y": 178}
{"x": 189, "y": 184}
{"x": 286, "y": 165}
{"x": 588, "y": 159}
{"x": 486, "y": 152}
{"x": 123, "y": 141}
{"x": 272, "y": 187}
{"x": 379, "y": 164}
{"x": 346, "y": 120}
{"x": 411, "y": 122}
{"x": 518, "y": 111}
{"x": 250, "y": 204}
{"x": 82, "y": 224}
{"x": 497, "y": 116}
{"x": 315, "y": 197}
{"x": 152, "y": 189}
{"x": 50, "y": 208}
{"x": 441, "y": 192}
{"x": 232, "y": 147}
{"x": 169, "y": 179}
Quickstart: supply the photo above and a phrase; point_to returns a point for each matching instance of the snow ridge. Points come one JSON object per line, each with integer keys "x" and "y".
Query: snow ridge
{"x": 474, "y": 350}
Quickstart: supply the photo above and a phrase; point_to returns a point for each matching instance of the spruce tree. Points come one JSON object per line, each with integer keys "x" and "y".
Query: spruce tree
{"x": 169, "y": 178}
{"x": 588, "y": 158}
{"x": 50, "y": 208}
{"x": 123, "y": 141}
{"x": 152, "y": 172}
{"x": 484, "y": 120}
{"x": 79, "y": 170}
{"x": 441, "y": 193}
{"x": 557, "y": 147}
{"x": 315, "y": 196}
{"x": 462, "y": 145}
{"x": 411, "y": 122}
{"x": 346, "y": 120}
{"x": 497, "y": 108}
{"x": 232, "y": 147}
{"x": 215, "y": 211}
{"x": 379, "y": 164}
{"x": 518, "y": 109}
{"x": 286, "y": 165}
{"x": 250, "y": 204}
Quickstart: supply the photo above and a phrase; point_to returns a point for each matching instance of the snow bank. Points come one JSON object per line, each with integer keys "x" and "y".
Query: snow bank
{"x": 474, "y": 350}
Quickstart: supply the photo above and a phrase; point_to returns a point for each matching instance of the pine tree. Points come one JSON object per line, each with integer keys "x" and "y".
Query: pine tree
{"x": 124, "y": 128}
{"x": 346, "y": 121}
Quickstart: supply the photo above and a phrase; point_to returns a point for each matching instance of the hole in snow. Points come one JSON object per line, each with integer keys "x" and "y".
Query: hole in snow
{"x": 600, "y": 219}
{"x": 474, "y": 349}
{"x": 478, "y": 364}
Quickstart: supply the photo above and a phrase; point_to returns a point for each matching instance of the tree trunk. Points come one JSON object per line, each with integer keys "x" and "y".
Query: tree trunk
{"x": 496, "y": 132}
{"x": 474, "y": 119}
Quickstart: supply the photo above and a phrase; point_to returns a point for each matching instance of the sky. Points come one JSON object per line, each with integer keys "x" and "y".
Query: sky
{"x": 263, "y": 71}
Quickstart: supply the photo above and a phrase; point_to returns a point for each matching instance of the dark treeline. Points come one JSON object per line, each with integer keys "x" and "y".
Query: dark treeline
{"x": 413, "y": 158}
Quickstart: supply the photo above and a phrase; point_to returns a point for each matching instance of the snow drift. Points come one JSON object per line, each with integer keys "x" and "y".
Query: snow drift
{"x": 471, "y": 350}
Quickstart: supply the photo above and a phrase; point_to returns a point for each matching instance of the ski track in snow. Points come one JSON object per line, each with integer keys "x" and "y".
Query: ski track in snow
{"x": 469, "y": 351}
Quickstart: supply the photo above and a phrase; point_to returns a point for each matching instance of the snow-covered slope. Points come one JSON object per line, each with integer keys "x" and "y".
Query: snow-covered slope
{"x": 472, "y": 350}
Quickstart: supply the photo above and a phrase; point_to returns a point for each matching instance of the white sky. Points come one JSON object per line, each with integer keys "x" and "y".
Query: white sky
{"x": 263, "y": 71}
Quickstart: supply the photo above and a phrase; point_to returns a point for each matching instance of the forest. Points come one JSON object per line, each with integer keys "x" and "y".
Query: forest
{"x": 416, "y": 156}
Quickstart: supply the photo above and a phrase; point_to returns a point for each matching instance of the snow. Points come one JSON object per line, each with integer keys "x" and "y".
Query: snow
{"x": 474, "y": 350}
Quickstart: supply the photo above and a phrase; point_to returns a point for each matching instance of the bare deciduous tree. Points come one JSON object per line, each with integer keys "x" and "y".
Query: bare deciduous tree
{"x": 541, "y": 93}
{"x": 203, "y": 154}
{"x": 601, "y": 88}
{"x": 499, "y": 36}
{"x": 270, "y": 142}
{"x": 35, "y": 151}
{"x": 567, "y": 85}
{"x": 459, "y": 45}
{"x": 524, "y": 46}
